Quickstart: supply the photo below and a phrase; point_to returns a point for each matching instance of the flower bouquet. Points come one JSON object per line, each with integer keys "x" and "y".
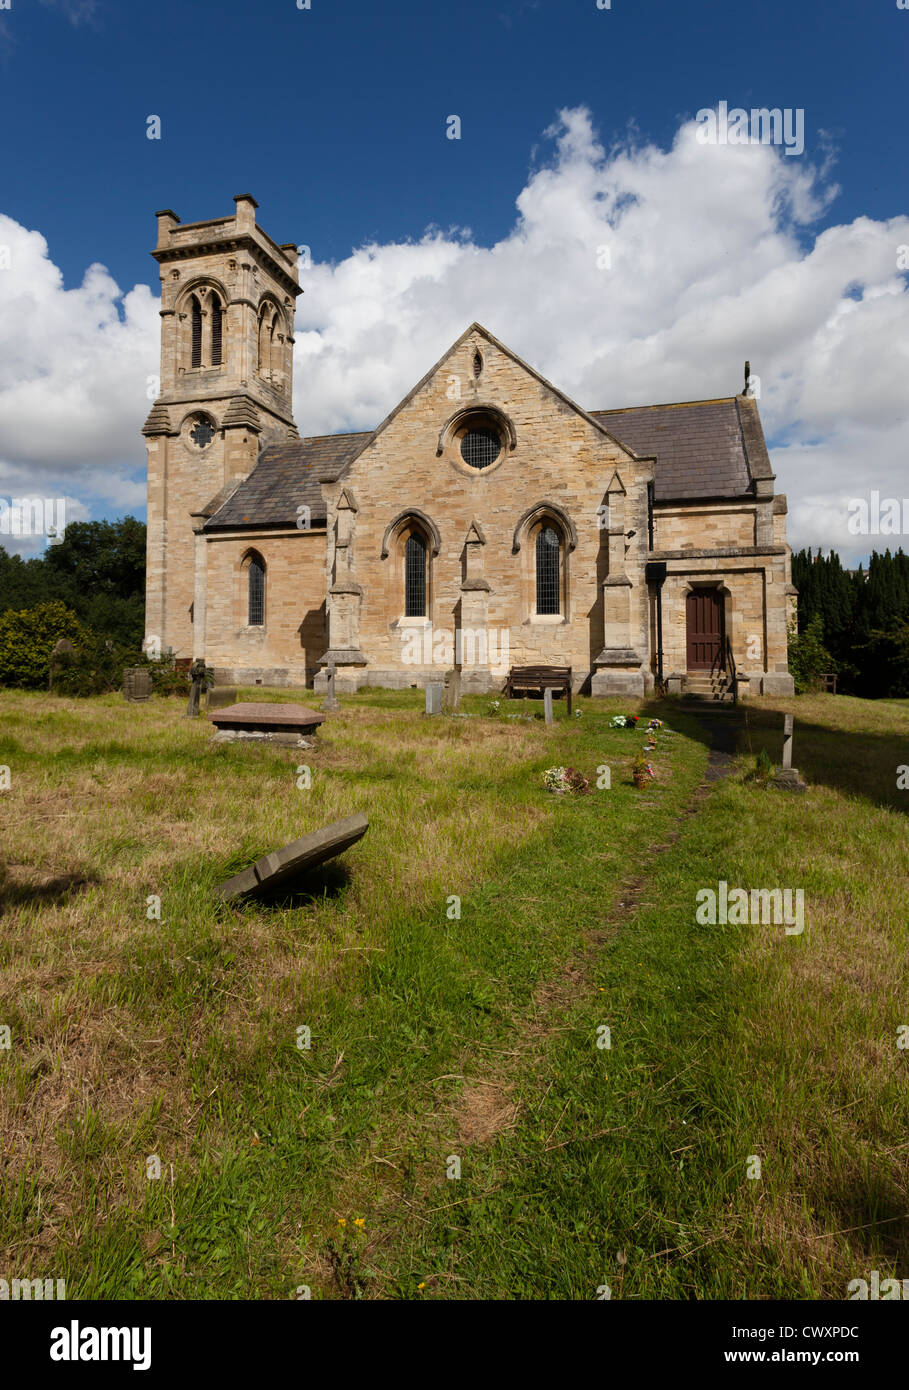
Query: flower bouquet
{"x": 641, "y": 771}
{"x": 565, "y": 779}
{"x": 623, "y": 721}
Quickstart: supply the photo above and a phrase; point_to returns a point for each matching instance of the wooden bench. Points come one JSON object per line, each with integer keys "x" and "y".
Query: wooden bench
{"x": 539, "y": 678}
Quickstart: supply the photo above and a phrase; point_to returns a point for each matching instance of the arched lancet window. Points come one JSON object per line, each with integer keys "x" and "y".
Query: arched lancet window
{"x": 268, "y": 327}
{"x": 256, "y": 593}
{"x": 216, "y": 333}
{"x": 548, "y": 557}
{"x": 415, "y": 576}
{"x": 196, "y": 320}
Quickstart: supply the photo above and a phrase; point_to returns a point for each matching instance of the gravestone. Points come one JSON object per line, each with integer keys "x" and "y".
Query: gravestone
{"x": 434, "y": 693}
{"x": 137, "y": 683}
{"x": 330, "y": 703}
{"x": 547, "y": 705}
{"x": 220, "y": 695}
{"x": 197, "y": 676}
{"x": 292, "y": 861}
{"x": 64, "y": 654}
{"x": 453, "y": 691}
{"x": 788, "y": 779}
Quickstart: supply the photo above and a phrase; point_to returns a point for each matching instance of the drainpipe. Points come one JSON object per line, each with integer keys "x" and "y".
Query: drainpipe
{"x": 655, "y": 572}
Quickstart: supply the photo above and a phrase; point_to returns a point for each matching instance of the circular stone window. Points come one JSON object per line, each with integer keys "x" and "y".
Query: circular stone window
{"x": 201, "y": 432}
{"x": 480, "y": 448}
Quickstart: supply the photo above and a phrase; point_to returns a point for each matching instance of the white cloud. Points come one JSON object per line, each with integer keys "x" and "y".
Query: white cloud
{"x": 713, "y": 259}
{"x": 74, "y": 368}
{"x": 712, "y": 263}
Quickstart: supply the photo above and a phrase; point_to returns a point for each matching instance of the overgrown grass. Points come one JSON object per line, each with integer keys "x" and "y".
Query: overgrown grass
{"x": 437, "y": 1037}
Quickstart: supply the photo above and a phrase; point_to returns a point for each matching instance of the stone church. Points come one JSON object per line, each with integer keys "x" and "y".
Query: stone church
{"x": 488, "y": 521}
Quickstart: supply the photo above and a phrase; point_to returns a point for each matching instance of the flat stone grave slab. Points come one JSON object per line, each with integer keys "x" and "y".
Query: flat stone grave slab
{"x": 292, "y": 861}
{"x": 258, "y": 717}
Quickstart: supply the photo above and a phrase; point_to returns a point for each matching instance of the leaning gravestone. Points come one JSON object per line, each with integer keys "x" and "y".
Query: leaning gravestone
{"x": 289, "y": 863}
{"x": 137, "y": 683}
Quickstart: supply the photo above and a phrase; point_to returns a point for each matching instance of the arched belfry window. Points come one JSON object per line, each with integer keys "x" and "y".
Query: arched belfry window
{"x": 269, "y": 324}
{"x": 415, "y": 576}
{"x": 217, "y": 319}
{"x": 256, "y": 592}
{"x": 195, "y": 310}
{"x": 549, "y": 566}
{"x": 206, "y": 328}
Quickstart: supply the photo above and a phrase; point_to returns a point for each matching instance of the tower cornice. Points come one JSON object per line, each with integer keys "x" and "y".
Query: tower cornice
{"x": 220, "y": 245}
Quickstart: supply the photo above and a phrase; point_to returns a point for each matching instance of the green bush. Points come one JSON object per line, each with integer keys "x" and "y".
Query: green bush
{"x": 808, "y": 657}
{"x": 166, "y": 679}
{"x": 27, "y": 638}
{"x": 763, "y": 769}
{"x": 95, "y": 669}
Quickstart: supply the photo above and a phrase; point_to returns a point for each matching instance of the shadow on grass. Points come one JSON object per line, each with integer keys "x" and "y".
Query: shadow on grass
{"x": 875, "y": 1211}
{"x": 857, "y": 763}
{"x": 20, "y": 885}
{"x": 326, "y": 881}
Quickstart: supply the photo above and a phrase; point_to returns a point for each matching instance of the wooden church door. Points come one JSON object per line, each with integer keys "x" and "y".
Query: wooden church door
{"x": 705, "y": 629}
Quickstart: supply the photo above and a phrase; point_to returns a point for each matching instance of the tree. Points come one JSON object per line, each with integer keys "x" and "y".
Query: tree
{"x": 97, "y": 571}
{"x": 27, "y": 639}
{"x": 808, "y": 657}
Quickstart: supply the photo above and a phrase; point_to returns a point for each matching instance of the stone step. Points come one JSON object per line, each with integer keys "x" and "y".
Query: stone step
{"x": 709, "y": 686}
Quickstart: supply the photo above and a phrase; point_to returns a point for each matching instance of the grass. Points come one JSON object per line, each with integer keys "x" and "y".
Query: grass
{"x": 142, "y": 1045}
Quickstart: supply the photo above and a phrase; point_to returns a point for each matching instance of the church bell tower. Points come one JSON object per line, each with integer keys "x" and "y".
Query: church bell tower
{"x": 226, "y": 389}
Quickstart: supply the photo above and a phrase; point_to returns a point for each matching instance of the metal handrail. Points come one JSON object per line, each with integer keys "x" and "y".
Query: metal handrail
{"x": 724, "y": 661}
{"x": 734, "y": 682}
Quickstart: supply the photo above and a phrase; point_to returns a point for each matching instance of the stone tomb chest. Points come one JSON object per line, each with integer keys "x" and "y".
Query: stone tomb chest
{"x": 267, "y": 720}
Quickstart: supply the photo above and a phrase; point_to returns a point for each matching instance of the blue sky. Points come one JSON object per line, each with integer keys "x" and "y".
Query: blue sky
{"x": 576, "y": 131}
{"x": 335, "y": 117}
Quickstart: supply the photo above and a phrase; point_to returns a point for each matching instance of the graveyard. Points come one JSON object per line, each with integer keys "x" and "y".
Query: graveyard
{"x": 487, "y": 1051}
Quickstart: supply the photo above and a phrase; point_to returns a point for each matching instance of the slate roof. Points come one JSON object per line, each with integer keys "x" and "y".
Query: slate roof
{"x": 700, "y": 447}
{"x": 703, "y": 449}
{"x": 286, "y": 477}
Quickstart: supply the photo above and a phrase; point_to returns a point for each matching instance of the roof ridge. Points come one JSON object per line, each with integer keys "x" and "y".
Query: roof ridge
{"x": 336, "y": 434}
{"x": 666, "y": 405}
